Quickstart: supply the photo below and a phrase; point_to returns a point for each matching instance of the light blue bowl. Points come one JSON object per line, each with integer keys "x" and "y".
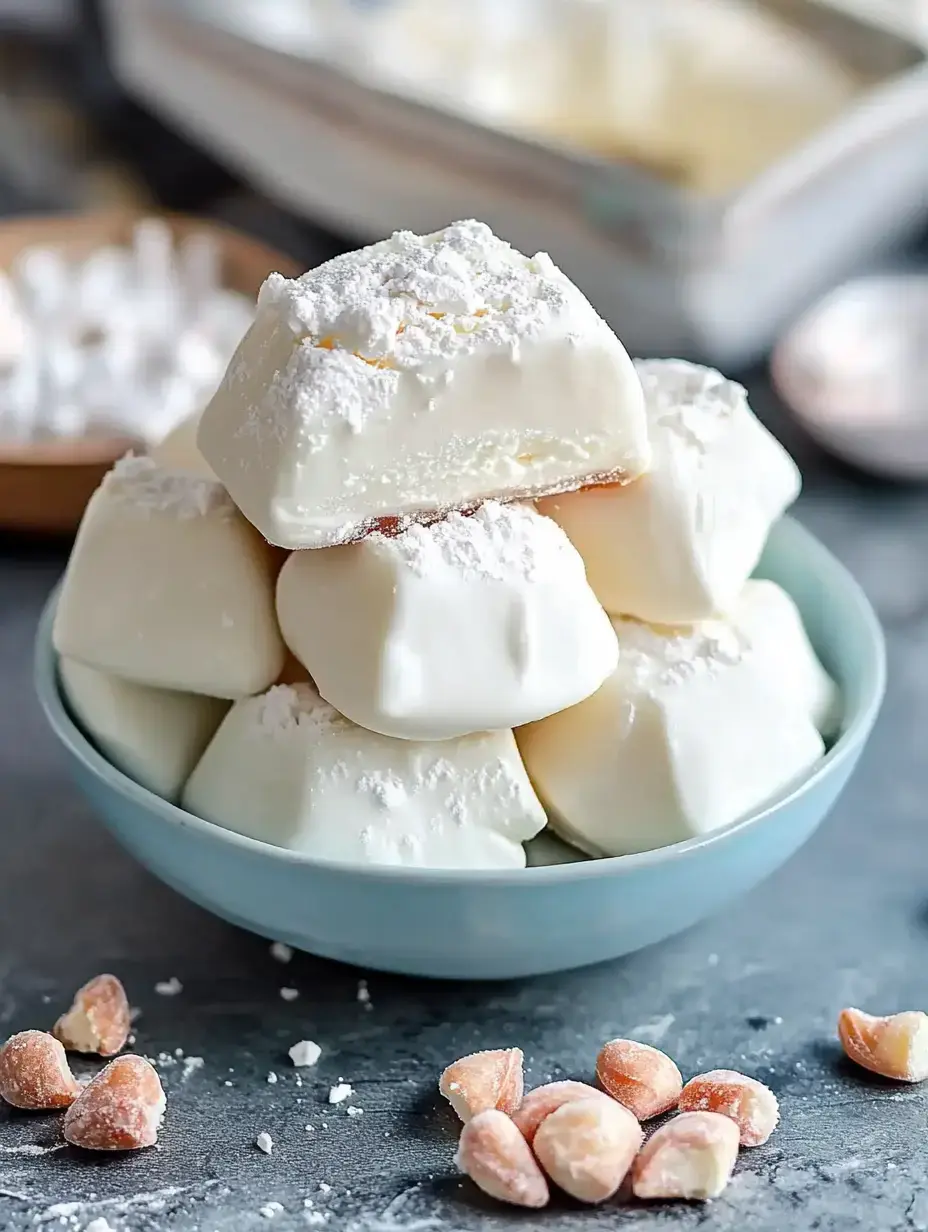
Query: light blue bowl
{"x": 496, "y": 925}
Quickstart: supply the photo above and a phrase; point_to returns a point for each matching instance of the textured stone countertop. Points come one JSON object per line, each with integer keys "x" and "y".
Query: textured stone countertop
{"x": 846, "y": 922}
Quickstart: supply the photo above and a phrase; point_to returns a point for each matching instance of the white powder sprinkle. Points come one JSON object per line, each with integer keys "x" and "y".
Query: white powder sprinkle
{"x": 340, "y": 1092}
{"x": 386, "y": 789}
{"x": 315, "y": 1219}
{"x": 280, "y": 952}
{"x": 272, "y": 1078}
{"x": 693, "y": 402}
{"x": 657, "y": 657}
{"x": 191, "y": 1065}
{"x": 354, "y": 1111}
{"x": 289, "y": 994}
{"x": 495, "y": 543}
{"x": 325, "y": 1187}
{"x": 98, "y": 1225}
{"x": 264, "y": 1142}
{"x": 31, "y": 1148}
{"x": 169, "y": 988}
{"x": 286, "y": 706}
{"x": 363, "y": 994}
{"x": 151, "y": 489}
{"x": 306, "y": 1052}
{"x": 271, "y": 1210}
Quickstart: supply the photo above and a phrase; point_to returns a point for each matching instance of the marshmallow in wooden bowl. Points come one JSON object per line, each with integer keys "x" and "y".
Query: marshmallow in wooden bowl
{"x": 287, "y": 768}
{"x": 169, "y": 586}
{"x": 688, "y": 735}
{"x": 416, "y": 376}
{"x": 155, "y": 736}
{"x": 474, "y": 623}
{"x": 679, "y": 544}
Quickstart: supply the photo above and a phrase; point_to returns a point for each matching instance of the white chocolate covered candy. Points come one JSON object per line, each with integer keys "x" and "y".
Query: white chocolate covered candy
{"x": 419, "y": 375}
{"x": 686, "y": 736}
{"x": 155, "y": 736}
{"x": 288, "y": 769}
{"x": 770, "y": 622}
{"x": 178, "y": 450}
{"x": 169, "y": 586}
{"x": 679, "y": 544}
{"x": 475, "y": 623}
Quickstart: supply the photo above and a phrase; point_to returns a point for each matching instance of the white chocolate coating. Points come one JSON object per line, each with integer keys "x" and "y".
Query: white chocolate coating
{"x": 679, "y": 544}
{"x": 472, "y": 624}
{"x": 288, "y": 769}
{"x": 155, "y": 736}
{"x": 419, "y": 375}
{"x": 169, "y": 586}
{"x": 178, "y": 450}
{"x": 686, "y": 736}
{"x": 771, "y": 624}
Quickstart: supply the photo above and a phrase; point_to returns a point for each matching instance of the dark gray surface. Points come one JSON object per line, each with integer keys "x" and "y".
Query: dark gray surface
{"x": 845, "y": 923}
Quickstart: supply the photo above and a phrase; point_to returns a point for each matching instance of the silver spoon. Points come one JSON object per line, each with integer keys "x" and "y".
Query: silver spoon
{"x": 854, "y": 371}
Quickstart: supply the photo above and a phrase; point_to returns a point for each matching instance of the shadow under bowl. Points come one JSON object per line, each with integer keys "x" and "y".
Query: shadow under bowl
{"x": 506, "y": 924}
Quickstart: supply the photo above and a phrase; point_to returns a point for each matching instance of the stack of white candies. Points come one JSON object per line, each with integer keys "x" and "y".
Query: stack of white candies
{"x": 390, "y": 421}
{"x": 124, "y": 341}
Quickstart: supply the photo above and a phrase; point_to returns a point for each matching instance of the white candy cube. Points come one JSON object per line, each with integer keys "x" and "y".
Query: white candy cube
{"x": 770, "y": 623}
{"x": 473, "y": 624}
{"x": 169, "y": 586}
{"x": 288, "y": 769}
{"x": 155, "y": 736}
{"x": 421, "y": 374}
{"x": 679, "y": 544}
{"x": 687, "y": 735}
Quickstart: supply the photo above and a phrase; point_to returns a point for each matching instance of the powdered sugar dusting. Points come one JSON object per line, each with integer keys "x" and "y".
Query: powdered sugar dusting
{"x": 693, "y": 402}
{"x": 495, "y": 543}
{"x": 411, "y": 298}
{"x": 287, "y": 706}
{"x": 658, "y": 657}
{"x": 152, "y": 489}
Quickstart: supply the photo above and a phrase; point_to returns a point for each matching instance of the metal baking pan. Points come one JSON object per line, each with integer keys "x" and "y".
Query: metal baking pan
{"x": 675, "y": 273}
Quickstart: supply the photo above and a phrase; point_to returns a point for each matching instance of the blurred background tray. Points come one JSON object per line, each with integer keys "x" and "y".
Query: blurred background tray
{"x": 712, "y": 278}
{"x": 44, "y": 486}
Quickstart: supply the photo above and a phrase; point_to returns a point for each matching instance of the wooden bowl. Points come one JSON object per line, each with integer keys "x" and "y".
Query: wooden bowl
{"x": 45, "y": 486}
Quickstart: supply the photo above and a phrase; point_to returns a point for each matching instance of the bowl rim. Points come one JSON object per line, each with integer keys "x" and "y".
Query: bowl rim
{"x": 873, "y": 685}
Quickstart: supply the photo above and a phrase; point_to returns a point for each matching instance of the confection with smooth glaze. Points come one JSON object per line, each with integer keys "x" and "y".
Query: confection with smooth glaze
{"x": 290, "y": 770}
{"x": 155, "y": 736}
{"x": 169, "y": 586}
{"x": 475, "y": 623}
{"x": 679, "y": 544}
{"x": 416, "y": 376}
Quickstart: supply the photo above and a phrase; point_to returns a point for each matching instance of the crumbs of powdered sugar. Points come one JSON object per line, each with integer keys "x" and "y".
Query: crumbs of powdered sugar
{"x": 495, "y": 543}
{"x": 169, "y": 988}
{"x": 286, "y": 707}
{"x": 264, "y": 1142}
{"x": 306, "y": 1052}
{"x": 694, "y": 402}
{"x": 151, "y": 488}
{"x": 280, "y": 952}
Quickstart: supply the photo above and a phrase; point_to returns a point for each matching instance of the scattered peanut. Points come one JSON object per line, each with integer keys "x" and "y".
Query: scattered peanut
{"x": 484, "y": 1080}
{"x": 98, "y": 1020}
{"x": 120, "y": 1110}
{"x": 587, "y": 1147}
{"x": 751, "y": 1105}
{"x": 544, "y": 1100}
{"x": 642, "y": 1078}
{"x": 498, "y": 1159}
{"x": 690, "y": 1157}
{"x": 895, "y": 1046}
{"x": 34, "y": 1073}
